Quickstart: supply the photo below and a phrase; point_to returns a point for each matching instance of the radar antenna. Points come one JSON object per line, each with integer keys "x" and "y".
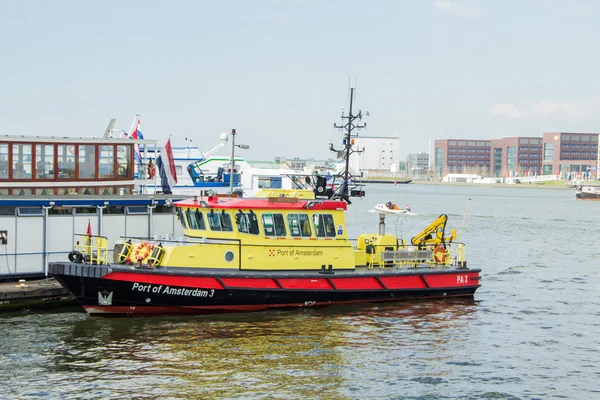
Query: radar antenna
{"x": 348, "y": 127}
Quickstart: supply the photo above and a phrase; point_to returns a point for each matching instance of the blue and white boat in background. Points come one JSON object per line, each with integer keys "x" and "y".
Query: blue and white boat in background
{"x": 200, "y": 174}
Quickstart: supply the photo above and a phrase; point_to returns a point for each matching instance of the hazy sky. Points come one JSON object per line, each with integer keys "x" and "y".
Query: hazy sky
{"x": 278, "y": 71}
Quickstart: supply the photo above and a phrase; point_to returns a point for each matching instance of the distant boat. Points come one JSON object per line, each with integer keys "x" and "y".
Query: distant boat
{"x": 588, "y": 192}
{"x": 393, "y": 209}
{"x": 205, "y": 173}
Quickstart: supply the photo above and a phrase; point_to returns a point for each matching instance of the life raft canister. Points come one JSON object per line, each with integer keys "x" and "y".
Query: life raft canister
{"x": 125, "y": 252}
{"x": 440, "y": 254}
{"x": 142, "y": 251}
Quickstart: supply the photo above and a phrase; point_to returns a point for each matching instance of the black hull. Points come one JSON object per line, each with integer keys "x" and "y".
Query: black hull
{"x": 142, "y": 293}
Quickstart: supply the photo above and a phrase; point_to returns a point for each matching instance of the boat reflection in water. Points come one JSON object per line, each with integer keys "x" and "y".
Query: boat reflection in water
{"x": 312, "y": 353}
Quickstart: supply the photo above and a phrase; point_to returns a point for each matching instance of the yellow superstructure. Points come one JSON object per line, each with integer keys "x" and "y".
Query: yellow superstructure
{"x": 283, "y": 231}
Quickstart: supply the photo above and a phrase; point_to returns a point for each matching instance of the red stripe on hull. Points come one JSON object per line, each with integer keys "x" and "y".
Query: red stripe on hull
{"x": 403, "y": 282}
{"x": 305, "y": 283}
{"x": 250, "y": 283}
{"x": 186, "y": 281}
{"x": 356, "y": 283}
{"x": 452, "y": 280}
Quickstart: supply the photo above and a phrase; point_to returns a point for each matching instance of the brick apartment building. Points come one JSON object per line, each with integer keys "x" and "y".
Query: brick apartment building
{"x": 574, "y": 154}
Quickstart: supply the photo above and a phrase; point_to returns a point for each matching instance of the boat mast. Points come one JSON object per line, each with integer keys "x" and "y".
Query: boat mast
{"x": 348, "y": 127}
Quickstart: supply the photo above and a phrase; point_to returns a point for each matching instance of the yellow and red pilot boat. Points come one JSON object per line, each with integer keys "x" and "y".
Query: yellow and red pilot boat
{"x": 281, "y": 249}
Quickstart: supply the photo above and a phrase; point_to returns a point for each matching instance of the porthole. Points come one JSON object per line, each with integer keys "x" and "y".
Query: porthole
{"x": 229, "y": 256}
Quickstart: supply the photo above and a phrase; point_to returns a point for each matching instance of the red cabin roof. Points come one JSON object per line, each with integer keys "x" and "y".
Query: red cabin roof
{"x": 271, "y": 203}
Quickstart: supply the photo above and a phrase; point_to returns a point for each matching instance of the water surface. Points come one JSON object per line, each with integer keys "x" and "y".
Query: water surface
{"x": 531, "y": 332}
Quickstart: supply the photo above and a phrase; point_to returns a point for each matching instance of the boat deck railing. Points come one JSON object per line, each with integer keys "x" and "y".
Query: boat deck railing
{"x": 94, "y": 249}
{"x": 449, "y": 254}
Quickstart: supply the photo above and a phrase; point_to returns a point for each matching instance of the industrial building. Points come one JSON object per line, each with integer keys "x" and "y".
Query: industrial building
{"x": 375, "y": 155}
{"x": 417, "y": 165}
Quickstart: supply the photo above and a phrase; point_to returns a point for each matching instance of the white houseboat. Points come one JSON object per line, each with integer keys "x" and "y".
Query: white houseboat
{"x": 52, "y": 188}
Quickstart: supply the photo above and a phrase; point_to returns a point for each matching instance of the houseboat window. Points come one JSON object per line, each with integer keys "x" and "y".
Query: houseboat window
{"x": 124, "y": 189}
{"x": 25, "y": 211}
{"x": 87, "y": 190}
{"x": 21, "y": 156}
{"x": 44, "y": 192}
{"x": 103, "y": 191}
{"x": 59, "y": 210}
{"x": 324, "y": 225}
{"x": 7, "y": 210}
{"x": 44, "y": 161}
{"x": 137, "y": 210}
{"x": 4, "y": 191}
{"x": 274, "y": 225}
{"x": 4, "y": 161}
{"x": 64, "y": 191}
{"x": 123, "y": 161}
{"x": 114, "y": 210}
{"x": 87, "y": 161}
{"x": 86, "y": 210}
{"x": 22, "y": 192}
{"x": 163, "y": 209}
{"x": 66, "y": 161}
{"x": 107, "y": 162}
{"x": 299, "y": 225}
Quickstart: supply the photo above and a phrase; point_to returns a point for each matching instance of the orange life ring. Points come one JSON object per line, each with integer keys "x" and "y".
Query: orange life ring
{"x": 440, "y": 253}
{"x": 142, "y": 251}
{"x": 71, "y": 149}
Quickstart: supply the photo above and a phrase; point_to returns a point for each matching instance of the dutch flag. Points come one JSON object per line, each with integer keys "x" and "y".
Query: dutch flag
{"x": 137, "y": 134}
{"x": 166, "y": 168}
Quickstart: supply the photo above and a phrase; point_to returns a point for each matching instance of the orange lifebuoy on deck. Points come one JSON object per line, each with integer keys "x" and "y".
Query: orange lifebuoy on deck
{"x": 440, "y": 253}
{"x": 142, "y": 251}
{"x": 71, "y": 149}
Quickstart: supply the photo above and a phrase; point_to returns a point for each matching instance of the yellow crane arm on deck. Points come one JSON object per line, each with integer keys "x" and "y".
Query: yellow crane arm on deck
{"x": 434, "y": 233}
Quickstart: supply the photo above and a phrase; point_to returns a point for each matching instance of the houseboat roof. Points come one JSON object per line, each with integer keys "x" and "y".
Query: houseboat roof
{"x": 72, "y": 140}
{"x": 274, "y": 203}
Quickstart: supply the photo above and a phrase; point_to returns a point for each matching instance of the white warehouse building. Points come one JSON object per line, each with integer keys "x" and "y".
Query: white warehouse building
{"x": 377, "y": 153}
